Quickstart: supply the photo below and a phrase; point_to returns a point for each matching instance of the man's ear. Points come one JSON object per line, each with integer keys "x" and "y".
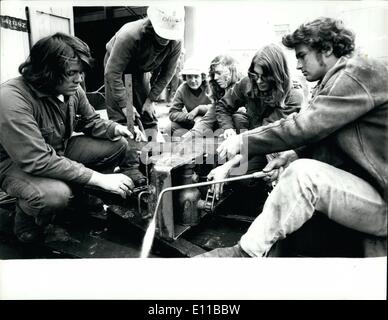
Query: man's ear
{"x": 328, "y": 51}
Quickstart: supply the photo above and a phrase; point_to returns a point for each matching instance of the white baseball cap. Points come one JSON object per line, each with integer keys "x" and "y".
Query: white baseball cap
{"x": 167, "y": 21}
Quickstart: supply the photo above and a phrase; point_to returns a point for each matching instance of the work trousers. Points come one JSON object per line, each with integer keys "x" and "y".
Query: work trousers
{"x": 39, "y": 198}
{"x": 208, "y": 125}
{"x": 140, "y": 90}
{"x": 307, "y": 186}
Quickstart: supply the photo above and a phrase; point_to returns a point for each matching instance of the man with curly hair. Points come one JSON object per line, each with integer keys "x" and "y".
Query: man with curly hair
{"x": 336, "y": 161}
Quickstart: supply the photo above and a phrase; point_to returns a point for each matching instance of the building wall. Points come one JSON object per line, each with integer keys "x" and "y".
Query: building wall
{"x": 240, "y": 28}
{"x": 15, "y": 39}
{"x": 14, "y": 42}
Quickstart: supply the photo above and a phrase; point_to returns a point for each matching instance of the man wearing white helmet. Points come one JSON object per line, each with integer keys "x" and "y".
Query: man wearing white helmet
{"x": 137, "y": 48}
{"x": 191, "y": 100}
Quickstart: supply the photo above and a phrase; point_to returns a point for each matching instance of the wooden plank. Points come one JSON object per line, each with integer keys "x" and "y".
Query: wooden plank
{"x": 129, "y": 107}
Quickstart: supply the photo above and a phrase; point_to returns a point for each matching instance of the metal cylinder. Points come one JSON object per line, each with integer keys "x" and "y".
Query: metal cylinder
{"x": 188, "y": 199}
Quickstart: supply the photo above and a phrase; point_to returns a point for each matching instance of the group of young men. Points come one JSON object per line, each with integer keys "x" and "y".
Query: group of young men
{"x": 333, "y": 152}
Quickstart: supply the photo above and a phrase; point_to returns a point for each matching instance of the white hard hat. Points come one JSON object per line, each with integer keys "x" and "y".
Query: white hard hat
{"x": 193, "y": 66}
{"x": 167, "y": 21}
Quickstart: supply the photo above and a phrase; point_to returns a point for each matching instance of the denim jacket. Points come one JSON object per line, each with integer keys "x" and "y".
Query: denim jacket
{"x": 259, "y": 110}
{"x": 133, "y": 49}
{"x": 35, "y": 128}
{"x": 348, "y": 116}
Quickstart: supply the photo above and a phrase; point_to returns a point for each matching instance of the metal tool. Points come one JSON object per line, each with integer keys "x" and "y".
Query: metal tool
{"x": 255, "y": 175}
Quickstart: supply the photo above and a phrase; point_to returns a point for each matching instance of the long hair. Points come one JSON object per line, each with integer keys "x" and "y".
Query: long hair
{"x": 216, "y": 92}
{"x": 274, "y": 64}
{"x": 322, "y": 33}
{"x": 45, "y": 67}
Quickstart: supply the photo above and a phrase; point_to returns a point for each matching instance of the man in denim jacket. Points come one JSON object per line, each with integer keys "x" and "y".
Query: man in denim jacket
{"x": 340, "y": 140}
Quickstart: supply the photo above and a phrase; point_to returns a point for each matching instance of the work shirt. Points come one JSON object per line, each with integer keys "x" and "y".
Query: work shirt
{"x": 346, "y": 118}
{"x": 133, "y": 49}
{"x": 36, "y": 126}
{"x": 260, "y": 110}
{"x": 185, "y": 100}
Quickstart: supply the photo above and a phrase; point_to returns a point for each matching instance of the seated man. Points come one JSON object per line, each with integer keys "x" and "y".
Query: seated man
{"x": 41, "y": 161}
{"x": 341, "y": 137}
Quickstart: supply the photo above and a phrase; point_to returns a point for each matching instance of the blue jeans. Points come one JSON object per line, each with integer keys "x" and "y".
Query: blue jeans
{"x": 39, "y": 198}
{"x": 309, "y": 185}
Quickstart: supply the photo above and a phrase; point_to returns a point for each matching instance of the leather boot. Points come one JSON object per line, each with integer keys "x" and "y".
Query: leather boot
{"x": 137, "y": 177}
{"x": 25, "y": 228}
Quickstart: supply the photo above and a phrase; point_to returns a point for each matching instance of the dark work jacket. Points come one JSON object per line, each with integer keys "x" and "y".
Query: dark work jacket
{"x": 185, "y": 101}
{"x": 133, "y": 49}
{"x": 35, "y": 128}
{"x": 348, "y": 115}
{"x": 259, "y": 110}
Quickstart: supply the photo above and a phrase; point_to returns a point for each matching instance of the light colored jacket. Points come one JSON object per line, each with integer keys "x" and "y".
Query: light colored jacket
{"x": 347, "y": 119}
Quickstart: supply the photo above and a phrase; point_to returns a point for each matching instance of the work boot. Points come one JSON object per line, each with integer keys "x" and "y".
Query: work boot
{"x": 55, "y": 233}
{"x": 93, "y": 203}
{"x": 84, "y": 204}
{"x": 228, "y": 252}
{"x": 25, "y": 228}
{"x": 139, "y": 180}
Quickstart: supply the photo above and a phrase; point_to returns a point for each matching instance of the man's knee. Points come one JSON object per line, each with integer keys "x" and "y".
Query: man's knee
{"x": 118, "y": 148}
{"x": 46, "y": 198}
{"x": 56, "y": 197}
{"x": 302, "y": 170}
{"x": 120, "y": 145}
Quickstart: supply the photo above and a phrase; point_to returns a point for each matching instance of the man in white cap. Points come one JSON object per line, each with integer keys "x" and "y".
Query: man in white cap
{"x": 137, "y": 48}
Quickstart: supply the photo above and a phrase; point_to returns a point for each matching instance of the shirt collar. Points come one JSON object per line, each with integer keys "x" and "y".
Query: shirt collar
{"x": 39, "y": 93}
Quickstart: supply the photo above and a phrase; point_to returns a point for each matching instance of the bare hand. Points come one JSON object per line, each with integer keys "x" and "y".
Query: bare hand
{"x": 219, "y": 173}
{"x": 192, "y": 114}
{"x": 274, "y": 169}
{"x": 230, "y": 147}
{"x": 139, "y": 135}
{"x": 117, "y": 183}
{"x": 122, "y": 131}
{"x": 276, "y": 166}
{"x": 149, "y": 108}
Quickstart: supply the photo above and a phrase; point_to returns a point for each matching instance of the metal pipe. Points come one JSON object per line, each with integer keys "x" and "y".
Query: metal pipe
{"x": 255, "y": 175}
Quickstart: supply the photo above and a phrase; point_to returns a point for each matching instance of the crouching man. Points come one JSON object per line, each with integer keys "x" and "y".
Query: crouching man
{"x": 41, "y": 161}
{"x": 339, "y": 165}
